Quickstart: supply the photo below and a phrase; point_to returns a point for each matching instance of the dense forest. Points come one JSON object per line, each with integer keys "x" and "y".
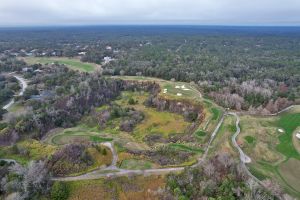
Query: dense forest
{"x": 254, "y": 68}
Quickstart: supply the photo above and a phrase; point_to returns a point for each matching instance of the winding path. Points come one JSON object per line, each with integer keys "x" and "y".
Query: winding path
{"x": 23, "y": 85}
{"x": 114, "y": 171}
{"x": 243, "y": 157}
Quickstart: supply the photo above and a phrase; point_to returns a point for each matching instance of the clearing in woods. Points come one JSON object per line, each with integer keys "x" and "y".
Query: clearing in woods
{"x": 72, "y": 63}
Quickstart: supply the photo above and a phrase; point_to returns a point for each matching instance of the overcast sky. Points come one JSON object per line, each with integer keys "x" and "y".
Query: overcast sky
{"x": 203, "y": 12}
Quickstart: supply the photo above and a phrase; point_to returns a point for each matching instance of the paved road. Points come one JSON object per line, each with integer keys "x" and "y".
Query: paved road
{"x": 213, "y": 135}
{"x": 243, "y": 157}
{"x": 114, "y": 154}
{"x": 23, "y": 85}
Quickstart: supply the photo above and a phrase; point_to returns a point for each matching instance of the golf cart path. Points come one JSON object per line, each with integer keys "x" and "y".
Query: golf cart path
{"x": 114, "y": 171}
{"x": 23, "y": 84}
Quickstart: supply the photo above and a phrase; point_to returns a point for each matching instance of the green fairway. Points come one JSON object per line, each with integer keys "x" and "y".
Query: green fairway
{"x": 183, "y": 147}
{"x": 170, "y": 89}
{"x": 289, "y": 122}
{"x": 72, "y": 63}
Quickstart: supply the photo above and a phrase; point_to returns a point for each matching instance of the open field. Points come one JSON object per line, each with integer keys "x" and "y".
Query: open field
{"x": 123, "y": 188}
{"x": 273, "y": 153}
{"x": 72, "y": 63}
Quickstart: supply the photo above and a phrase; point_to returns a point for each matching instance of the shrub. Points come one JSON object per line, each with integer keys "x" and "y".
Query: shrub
{"x": 59, "y": 191}
{"x": 131, "y": 101}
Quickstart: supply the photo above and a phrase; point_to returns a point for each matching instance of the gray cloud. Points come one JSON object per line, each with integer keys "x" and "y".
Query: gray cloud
{"x": 77, "y": 12}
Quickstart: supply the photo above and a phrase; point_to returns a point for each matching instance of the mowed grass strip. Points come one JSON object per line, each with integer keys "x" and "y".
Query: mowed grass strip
{"x": 216, "y": 113}
{"x": 183, "y": 147}
{"x": 136, "y": 164}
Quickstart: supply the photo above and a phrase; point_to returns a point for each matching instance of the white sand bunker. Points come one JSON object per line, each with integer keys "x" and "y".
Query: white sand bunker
{"x": 177, "y": 86}
{"x": 298, "y": 135}
{"x": 281, "y": 130}
{"x": 186, "y": 89}
{"x": 165, "y": 91}
{"x": 179, "y": 94}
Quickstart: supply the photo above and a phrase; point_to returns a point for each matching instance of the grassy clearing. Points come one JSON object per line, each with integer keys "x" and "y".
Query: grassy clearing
{"x": 216, "y": 113}
{"x": 122, "y": 188}
{"x": 187, "y": 90}
{"x": 163, "y": 123}
{"x": 183, "y": 147}
{"x": 136, "y": 164}
{"x": 80, "y": 133}
{"x": 290, "y": 171}
{"x": 155, "y": 122}
{"x": 212, "y": 115}
{"x": 265, "y": 134}
{"x": 273, "y": 153}
{"x": 72, "y": 63}
{"x": 222, "y": 142}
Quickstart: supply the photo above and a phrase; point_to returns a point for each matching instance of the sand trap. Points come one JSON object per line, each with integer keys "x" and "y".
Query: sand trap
{"x": 177, "y": 86}
{"x": 179, "y": 94}
{"x": 298, "y": 136}
{"x": 165, "y": 91}
{"x": 183, "y": 86}
{"x": 281, "y": 130}
{"x": 186, "y": 89}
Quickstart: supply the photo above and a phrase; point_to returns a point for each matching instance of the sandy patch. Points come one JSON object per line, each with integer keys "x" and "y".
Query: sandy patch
{"x": 280, "y": 130}
{"x": 179, "y": 94}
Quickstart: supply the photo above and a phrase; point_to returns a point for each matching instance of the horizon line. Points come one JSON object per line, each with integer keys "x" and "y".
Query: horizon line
{"x": 161, "y": 25}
